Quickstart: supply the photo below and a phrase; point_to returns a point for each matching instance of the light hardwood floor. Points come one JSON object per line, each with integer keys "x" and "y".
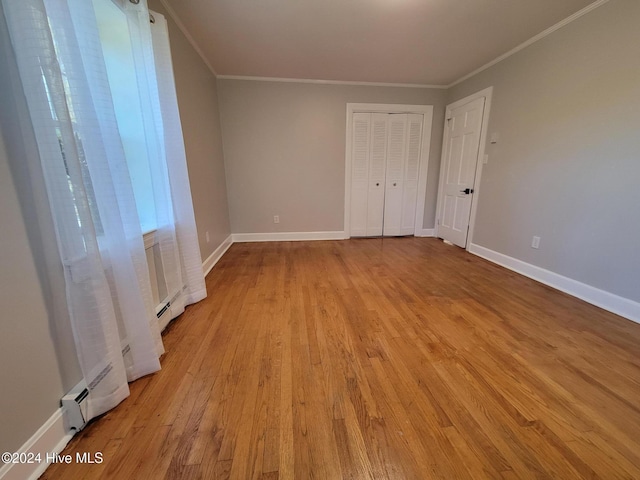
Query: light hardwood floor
{"x": 395, "y": 358}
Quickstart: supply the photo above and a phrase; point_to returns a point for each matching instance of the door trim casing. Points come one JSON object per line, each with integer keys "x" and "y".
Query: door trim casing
{"x": 427, "y": 112}
{"x": 487, "y": 93}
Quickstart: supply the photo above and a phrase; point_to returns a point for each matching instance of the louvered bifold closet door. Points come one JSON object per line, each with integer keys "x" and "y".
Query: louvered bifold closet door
{"x": 360, "y": 173}
{"x": 377, "y": 169}
{"x": 411, "y": 170}
{"x": 396, "y": 151}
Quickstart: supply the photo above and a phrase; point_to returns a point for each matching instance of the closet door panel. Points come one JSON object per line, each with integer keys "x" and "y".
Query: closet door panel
{"x": 396, "y": 152}
{"x": 360, "y": 173}
{"x": 377, "y": 170}
{"x": 411, "y": 171}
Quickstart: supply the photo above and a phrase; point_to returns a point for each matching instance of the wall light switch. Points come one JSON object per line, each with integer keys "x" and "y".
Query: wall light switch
{"x": 485, "y": 158}
{"x": 276, "y": 219}
{"x": 206, "y": 236}
{"x": 535, "y": 243}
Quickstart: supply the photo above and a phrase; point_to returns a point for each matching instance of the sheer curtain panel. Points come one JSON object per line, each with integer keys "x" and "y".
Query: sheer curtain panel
{"x": 174, "y": 227}
{"x": 59, "y": 57}
{"x": 185, "y": 223}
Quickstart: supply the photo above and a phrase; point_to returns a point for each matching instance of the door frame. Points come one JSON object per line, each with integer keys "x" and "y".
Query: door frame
{"x": 487, "y": 93}
{"x": 427, "y": 112}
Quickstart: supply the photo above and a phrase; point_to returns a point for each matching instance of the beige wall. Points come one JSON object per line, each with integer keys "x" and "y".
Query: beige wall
{"x": 30, "y": 378}
{"x": 284, "y": 147}
{"x": 198, "y": 102}
{"x": 567, "y": 165}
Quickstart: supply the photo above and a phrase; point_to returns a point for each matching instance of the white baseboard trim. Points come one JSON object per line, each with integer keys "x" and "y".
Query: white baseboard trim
{"x": 608, "y": 301}
{"x": 216, "y": 255}
{"x": 426, "y": 232}
{"x": 51, "y": 438}
{"x": 286, "y": 236}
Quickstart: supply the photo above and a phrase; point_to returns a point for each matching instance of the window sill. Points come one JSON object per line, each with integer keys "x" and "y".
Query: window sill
{"x": 149, "y": 238}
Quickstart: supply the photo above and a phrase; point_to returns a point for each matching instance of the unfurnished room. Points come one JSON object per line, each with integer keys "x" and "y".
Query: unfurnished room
{"x": 277, "y": 239}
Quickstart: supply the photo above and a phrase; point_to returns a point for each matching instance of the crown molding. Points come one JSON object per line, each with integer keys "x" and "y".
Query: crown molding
{"x": 532, "y": 40}
{"x": 326, "y": 82}
{"x": 185, "y": 32}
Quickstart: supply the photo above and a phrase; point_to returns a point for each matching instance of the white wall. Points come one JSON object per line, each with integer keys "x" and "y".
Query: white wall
{"x": 567, "y": 165}
{"x": 284, "y": 150}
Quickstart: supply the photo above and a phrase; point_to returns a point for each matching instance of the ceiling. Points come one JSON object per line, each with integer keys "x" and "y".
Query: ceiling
{"x": 432, "y": 42}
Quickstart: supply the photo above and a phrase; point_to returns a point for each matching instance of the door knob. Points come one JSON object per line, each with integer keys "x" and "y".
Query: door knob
{"x": 394, "y": 184}
{"x": 467, "y": 191}
{"x": 378, "y": 184}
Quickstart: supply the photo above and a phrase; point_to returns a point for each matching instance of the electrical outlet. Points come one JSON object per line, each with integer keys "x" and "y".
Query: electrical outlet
{"x": 276, "y": 219}
{"x": 206, "y": 236}
{"x": 535, "y": 242}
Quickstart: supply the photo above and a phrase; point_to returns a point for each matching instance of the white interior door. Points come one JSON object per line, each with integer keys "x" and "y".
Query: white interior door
{"x": 458, "y": 170}
{"x": 360, "y": 173}
{"x": 411, "y": 173}
{"x": 377, "y": 172}
{"x": 394, "y": 183}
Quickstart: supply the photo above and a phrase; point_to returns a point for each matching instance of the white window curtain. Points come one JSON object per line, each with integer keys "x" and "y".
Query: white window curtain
{"x": 62, "y": 69}
{"x": 185, "y": 224}
{"x": 176, "y": 227}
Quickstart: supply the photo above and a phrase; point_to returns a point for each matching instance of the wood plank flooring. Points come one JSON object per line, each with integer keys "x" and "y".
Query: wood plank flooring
{"x": 377, "y": 359}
